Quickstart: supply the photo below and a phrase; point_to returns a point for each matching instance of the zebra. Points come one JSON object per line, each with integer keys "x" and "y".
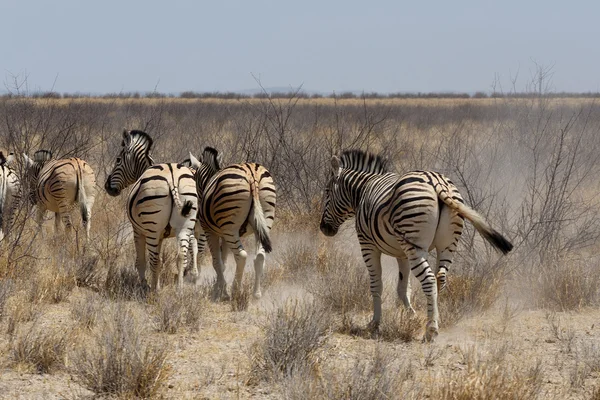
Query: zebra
{"x": 234, "y": 201}
{"x": 404, "y": 216}
{"x": 162, "y": 203}
{"x": 57, "y": 185}
{"x": 10, "y": 192}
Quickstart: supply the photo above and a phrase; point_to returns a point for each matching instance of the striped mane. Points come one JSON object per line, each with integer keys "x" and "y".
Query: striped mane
{"x": 212, "y": 157}
{"x": 2, "y": 158}
{"x": 358, "y": 160}
{"x": 140, "y": 138}
{"x": 42, "y": 156}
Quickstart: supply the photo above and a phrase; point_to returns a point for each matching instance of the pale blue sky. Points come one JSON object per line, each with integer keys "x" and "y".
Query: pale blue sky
{"x": 384, "y": 46}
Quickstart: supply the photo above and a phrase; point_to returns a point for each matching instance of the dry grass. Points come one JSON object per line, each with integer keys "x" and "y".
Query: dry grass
{"x": 117, "y": 361}
{"x": 6, "y": 290}
{"x": 176, "y": 309}
{"x": 52, "y": 284}
{"x": 88, "y": 310}
{"x": 488, "y": 380}
{"x": 293, "y": 334}
{"x": 240, "y": 299}
{"x": 41, "y": 348}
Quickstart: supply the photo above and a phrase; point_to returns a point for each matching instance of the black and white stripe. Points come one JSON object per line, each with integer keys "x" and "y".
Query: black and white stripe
{"x": 10, "y": 193}
{"x": 235, "y": 201}
{"x": 58, "y": 185}
{"x": 162, "y": 203}
{"x": 404, "y": 217}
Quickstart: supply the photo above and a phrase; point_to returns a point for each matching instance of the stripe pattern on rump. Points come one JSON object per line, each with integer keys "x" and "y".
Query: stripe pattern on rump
{"x": 236, "y": 201}
{"x": 404, "y": 216}
{"x": 60, "y": 185}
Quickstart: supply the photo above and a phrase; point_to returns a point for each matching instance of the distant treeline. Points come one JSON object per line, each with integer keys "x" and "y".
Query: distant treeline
{"x": 300, "y": 94}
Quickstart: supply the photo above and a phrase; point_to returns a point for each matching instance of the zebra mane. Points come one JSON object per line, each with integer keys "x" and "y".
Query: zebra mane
{"x": 358, "y": 160}
{"x": 42, "y": 155}
{"x": 140, "y": 137}
{"x": 211, "y": 156}
{"x": 2, "y": 158}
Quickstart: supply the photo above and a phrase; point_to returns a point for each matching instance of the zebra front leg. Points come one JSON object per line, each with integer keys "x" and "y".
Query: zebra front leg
{"x": 417, "y": 259}
{"x": 404, "y": 286}
{"x": 220, "y": 289}
{"x": 140, "y": 258}
{"x": 154, "y": 248}
{"x": 372, "y": 258}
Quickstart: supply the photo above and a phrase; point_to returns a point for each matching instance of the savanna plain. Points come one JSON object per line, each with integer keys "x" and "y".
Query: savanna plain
{"x": 74, "y": 324}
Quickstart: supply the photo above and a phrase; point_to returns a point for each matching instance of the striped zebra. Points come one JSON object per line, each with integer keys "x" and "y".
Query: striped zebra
{"x": 10, "y": 192}
{"x": 235, "y": 201}
{"x": 404, "y": 217}
{"x": 162, "y": 203}
{"x": 58, "y": 185}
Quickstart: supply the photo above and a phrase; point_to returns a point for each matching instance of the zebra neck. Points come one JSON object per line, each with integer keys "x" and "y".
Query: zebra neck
{"x": 353, "y": 184}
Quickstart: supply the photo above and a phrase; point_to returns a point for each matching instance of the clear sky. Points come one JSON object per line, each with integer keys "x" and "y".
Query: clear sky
{"x": 386, "y": 46}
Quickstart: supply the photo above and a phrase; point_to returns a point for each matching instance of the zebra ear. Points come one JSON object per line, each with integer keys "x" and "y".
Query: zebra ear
{"x": 195, "y": 163}
{"x": 335, "y": 166}
{"x": 126, "y": 137}
{"x": 28, "y": 161}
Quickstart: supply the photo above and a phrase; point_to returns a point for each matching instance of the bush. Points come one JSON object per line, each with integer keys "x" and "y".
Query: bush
{"x": 293, "y": 334}
{"x": 87, "y": 310}
{"x": 175, "y": 309}
{"x": 117, "y": 362}
{"x": 42, "y": 349}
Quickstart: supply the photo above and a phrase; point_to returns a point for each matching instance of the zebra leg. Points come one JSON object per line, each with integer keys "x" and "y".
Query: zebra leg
{"x": 220, "y": 289}
{"x": 240, "y": 255}
{"x": 184, "y": 239}
{"x": 193, "y": 250}
{"x": 140, "y": 259}
{"x": 259, "y": 264}
{"x": 154, "y": 248}
{"x": 372, "y": 258}
{"x": 417, "y": 259}
{"x": 404, "y": 290}
{"x": 446, "y": 239}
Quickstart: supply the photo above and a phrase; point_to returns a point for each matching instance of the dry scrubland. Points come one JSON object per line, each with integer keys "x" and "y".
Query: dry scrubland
{"x": 524, "y": 326}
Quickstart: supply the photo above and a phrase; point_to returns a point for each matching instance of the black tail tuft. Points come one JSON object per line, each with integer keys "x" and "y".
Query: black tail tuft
{"x": 187, "y": 208}
{"x": 266, "y": 243}
{"x": 498, "y": 241}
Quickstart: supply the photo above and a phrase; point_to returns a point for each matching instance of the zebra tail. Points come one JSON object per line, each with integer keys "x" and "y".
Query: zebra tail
{"x": 259, "y": 223}
{"x": 494, "y": 237}
{"x": 82, "y": 196}
{"x": 184, "y": 208}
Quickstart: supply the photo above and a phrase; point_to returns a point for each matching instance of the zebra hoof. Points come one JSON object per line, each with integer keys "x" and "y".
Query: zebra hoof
{"x": 373, "y": 326}
{"x": 431, "y": 332}
{"x": 257, "y": 295}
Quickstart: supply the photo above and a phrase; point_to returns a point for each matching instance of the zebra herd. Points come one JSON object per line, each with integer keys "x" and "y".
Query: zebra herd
{"x": 200, "y": 202}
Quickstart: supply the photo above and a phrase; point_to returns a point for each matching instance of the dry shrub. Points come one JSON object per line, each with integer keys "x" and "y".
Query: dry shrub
{"x": 293, "y": 334}
{"x": 298, "y": 258}
{"x": 22, "y": 311}
{"x": 240, "y": 299}
{"x": 6, "y": 291}
{"x": 116, "y": 361}
{"x": 567, "y": 284}
{"x": 51, "y": 285}
{"x": 41, "y": 348}
{"x": 377, "y": 378}
{"x": 488, "y": 380}
{"x": 175, "y": 309}
{"x": 341, "y": 282}
{"x": 89, "y": 272}
{"x": 467, "y": 294}
{"x": 87, "y": 310}
{"x": 123, "y": 283}
{"x": 401, "y": 325}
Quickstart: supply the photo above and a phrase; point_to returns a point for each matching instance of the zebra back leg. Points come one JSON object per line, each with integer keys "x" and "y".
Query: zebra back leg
{"x": 154, "y": 249}
{"x": 404, "y": 286}
{"x": 184, "y": 240}
{"x": 445, "y": 241}
{"x": 372, "y": 257}
{"x": 259, "y": 264}
{"x": 140, "y": 258}
{"x": 417, "y": 260}
{"x": 220, "y": 288}
{"x": 235, "y": 245}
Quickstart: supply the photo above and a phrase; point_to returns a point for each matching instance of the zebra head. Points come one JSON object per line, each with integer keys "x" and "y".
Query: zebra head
{"x": 347, "y": 174}
{"x": 133, "y": 159}
{"x": 205, "y": 169}
{"x": 33, "y": 168}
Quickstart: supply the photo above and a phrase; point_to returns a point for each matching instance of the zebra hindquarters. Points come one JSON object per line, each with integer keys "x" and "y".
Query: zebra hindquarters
{"x": 87, "y": 194}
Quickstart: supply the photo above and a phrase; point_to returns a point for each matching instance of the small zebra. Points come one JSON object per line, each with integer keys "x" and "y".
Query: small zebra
{"x": 234, "y": 201}
{"x": 162, "y": 203}
{"x": 10, "y": 193}
{"x": 58, "y": 185}
{"x": 404, "y": 217}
